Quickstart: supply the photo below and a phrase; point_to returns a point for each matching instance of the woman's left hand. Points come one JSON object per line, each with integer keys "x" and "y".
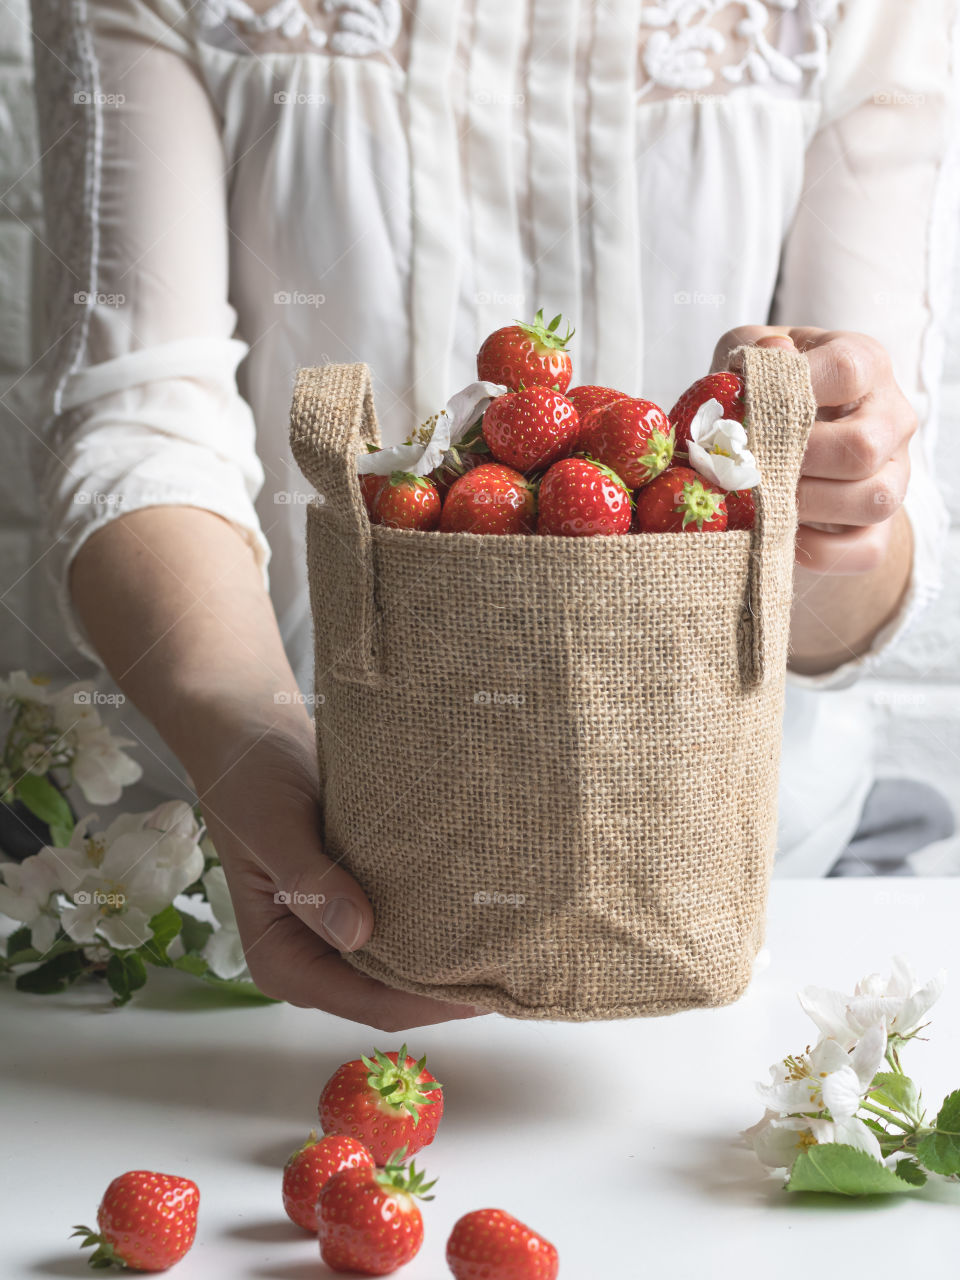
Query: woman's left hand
{"x": 856, "y": 466}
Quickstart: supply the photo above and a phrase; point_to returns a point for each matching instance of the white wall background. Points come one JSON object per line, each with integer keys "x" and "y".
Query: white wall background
{"x": 917, "y": 690}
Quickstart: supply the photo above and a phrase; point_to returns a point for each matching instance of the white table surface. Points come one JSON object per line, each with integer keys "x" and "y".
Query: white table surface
{"x": 632, "y": 1168}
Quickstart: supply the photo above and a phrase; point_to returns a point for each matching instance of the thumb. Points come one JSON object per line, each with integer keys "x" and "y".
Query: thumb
{"x": 756, "y": 334}
{"x": 781, "y": 341}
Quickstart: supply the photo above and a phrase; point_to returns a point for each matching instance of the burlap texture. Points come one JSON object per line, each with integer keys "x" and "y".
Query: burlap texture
{"x": 552, "y": 763}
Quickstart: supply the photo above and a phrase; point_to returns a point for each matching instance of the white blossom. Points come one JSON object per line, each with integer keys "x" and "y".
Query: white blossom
{"x": 900, "y": 1002}
{"x": 424, "y": 452}
{"x": 224, "y": 950}
{"x": 718, "y": 449}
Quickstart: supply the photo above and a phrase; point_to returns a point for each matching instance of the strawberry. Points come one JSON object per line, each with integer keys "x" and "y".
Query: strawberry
{"x": 678, "y": 501}
{"x": 368, "y": 1219}
{"x": 490, "y": 499}
{"x": 529, "y": 429}
{"x": 741, "y": 509}
{"x": 489, "y": 1243}
{"x": 585, "y": 399}
{"x": 147, "y": 1221}
{"x": 632, "y": 437}
{"x": 527, "y": 355}
{"x": 383, "y": 1103}
{"x": 370, "y": 486}
{"x": 582, "y": 498}
{"x": 725, "y": 387}
{"x": 407, "y": 502}
{"x": 311, "y": 1167}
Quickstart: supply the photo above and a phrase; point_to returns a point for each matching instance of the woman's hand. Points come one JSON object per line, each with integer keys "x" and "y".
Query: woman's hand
{"x": 854, "y": 543}
{"x": 856, "y": 466}
{"x": 296, "y": 909}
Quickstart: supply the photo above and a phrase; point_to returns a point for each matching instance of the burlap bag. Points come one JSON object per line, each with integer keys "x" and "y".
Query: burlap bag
{"x": 552, "y": 762}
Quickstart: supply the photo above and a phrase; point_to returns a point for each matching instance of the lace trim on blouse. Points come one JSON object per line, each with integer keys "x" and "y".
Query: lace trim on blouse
{"x": 355, "y": 28}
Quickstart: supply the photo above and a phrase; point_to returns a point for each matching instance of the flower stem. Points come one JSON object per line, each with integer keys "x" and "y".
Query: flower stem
{"x": 889, "y": 1117}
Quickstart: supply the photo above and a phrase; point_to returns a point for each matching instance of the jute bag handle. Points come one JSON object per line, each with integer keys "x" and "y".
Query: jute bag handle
{"x": 780, "y": 410}
{"x": 331, "y": 419}
{"x": 333, "y": 416}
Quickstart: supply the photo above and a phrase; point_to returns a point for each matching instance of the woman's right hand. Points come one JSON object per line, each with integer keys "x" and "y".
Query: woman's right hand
{"x": 296, "y": 909}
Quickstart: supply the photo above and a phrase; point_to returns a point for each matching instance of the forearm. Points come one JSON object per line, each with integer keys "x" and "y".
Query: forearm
{"x": 176, "y": 607}
{"x": 835, "y": 617}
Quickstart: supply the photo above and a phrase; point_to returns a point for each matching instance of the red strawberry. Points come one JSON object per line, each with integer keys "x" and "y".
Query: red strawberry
{"x": 741, "y": 509}
{"x": 489, "y": 499}
{"x": 311, "y": 1167}
{"x": 580, "y": 498}
{"x": 678, "y": 501}
{"x": 585, "y": 399}
{"x": 407, "y": 502}
{"x": 368, "y": 1219}
{"x": 147, "y": 1221}
{"x": 632, "y": 437}
{"x": 489, "y": 1243}
{"x": 725, "y": 387}
{"x": 384, "y": 1103}
{"x": 370, "y": 486}
{"x": 527, "y": 355}
{"x": 530, "y": 429}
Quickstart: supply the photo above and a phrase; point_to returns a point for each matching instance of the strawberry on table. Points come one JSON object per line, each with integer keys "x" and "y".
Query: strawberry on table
{"x": 147, "y": 1221}
{"x": 407, "y": 501}
{"x": 491, "y": 498}
{"x": 741, "y": 509}
{"x": 385, "y": 1102}
{"x": 489, "y": 1244}
{"x": 311, "y": 1167}
{"x": 586, "y": 399}
{"x": 680, "y": 501}
{"x": 725, "y": 387}
{"x": 631, "y": 436}
{"x": 527, "y": 355}
{"x": 529, "y": 429}
{"x": 581, "y": 498}
{"x": 368, "y": 1219}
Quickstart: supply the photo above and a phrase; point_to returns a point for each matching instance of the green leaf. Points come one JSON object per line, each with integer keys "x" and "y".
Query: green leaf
{"x": 53, "y": 976}
{"x": 165, "y": 926}
{"x": 117, "y": 977}
{"x": 45, "y": 802}
{"x": 911, "y": 1172}
{"x": 59, "y": 835}
{"x": 194, "y": 933}
{"x": 939, "y": 1151}
{"x": 843, "y": 1170}
{"x": 19, "y": 940}
{"x": 191, "y": 964}
{"x": 896, "y": 1092}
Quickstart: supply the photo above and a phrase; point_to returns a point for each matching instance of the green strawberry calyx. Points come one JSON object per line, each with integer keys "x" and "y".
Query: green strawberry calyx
{"x": 659, "y": 453}
{"x": 698, "y": 504}
{"x": 404, "y": 1179}
{"x": 311, "y": 1141}
{"x": 547, "y": 335}
{"x": 399, "y": 1085}
{"x": 407, "y": 477}
{"x": 104, "y": 1255}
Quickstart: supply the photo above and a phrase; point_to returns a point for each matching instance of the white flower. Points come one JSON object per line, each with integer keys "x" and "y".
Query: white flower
{"x": 124, "y": 876}
{"x": 175, "y": 816}
{"x": 828, "y": 1078}
{"x": 778, "y": 1140}
{"x": 27, "y": 892}
{"x": 99, "y": 766}
{"x": 431, "y": 441}
{"x": 19, "y": 687}
{"x": 224, "y": 950}
{"x": 900, "y": 1003}
{"x": 718, "y": 449}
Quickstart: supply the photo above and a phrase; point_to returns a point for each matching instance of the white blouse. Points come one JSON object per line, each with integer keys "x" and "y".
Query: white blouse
{"x": 235, "y": 189}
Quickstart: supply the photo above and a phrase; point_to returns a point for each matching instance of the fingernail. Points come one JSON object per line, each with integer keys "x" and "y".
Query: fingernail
{"x": 342, "y": 922}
